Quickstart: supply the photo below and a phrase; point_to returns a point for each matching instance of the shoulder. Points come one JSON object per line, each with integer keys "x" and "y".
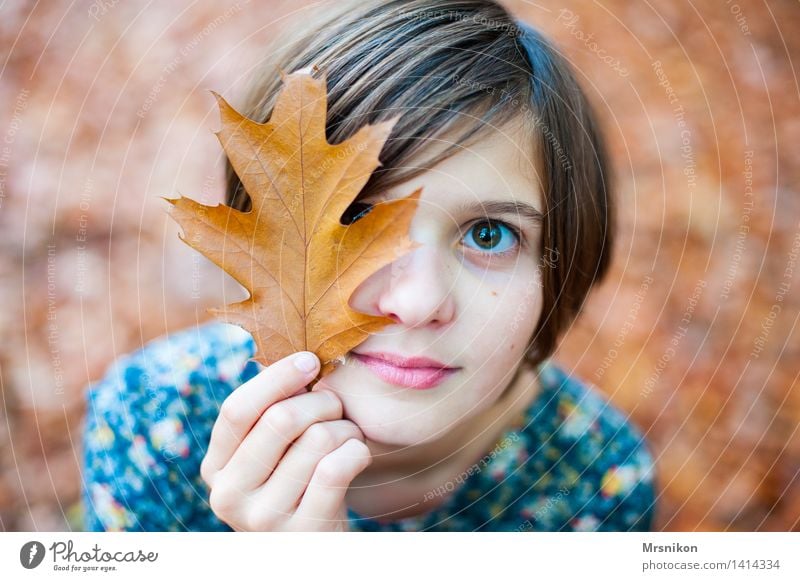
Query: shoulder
{"x": 148, "y": 422}
{"x": 155, "y": 386}
{"x": 211, "y": 351}
{"x": 597, "y": 461}
{"x": 584, "y": 415}
{"x": 215, "y": 349}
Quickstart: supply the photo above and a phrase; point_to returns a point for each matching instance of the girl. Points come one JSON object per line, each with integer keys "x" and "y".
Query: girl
{"x": 455, "y": 417}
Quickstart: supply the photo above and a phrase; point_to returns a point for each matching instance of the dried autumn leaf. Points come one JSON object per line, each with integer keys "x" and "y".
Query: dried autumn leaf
{"x": 290, "y": 251}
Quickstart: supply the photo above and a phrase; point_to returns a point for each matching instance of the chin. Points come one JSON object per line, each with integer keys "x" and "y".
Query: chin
{"x": 394, "y": 437}
{"x": 391, "y": 430}
{"x": 388, "y": 422}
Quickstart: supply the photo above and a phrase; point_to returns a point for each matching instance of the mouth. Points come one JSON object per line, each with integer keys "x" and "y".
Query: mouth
{"x": 410, "y": 372}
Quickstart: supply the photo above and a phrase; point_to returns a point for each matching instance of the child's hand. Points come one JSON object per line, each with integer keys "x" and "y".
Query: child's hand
{"x": 281, "y": 458}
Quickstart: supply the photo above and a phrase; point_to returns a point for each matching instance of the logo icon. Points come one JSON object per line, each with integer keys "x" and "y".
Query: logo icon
{"x": 31, "y": 554}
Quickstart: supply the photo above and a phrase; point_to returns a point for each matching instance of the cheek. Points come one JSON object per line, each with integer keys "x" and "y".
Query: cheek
{"x": 512, "y": 315}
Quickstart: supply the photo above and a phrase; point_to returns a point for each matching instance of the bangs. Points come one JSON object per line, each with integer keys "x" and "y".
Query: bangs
{"x": 449, "y": 75}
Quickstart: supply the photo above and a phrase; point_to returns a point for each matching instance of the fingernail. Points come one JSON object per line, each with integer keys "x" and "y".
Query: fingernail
{"x": 306, "y": 362}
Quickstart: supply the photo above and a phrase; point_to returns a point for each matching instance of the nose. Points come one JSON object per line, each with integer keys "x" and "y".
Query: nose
{"x": 415, "y": 290}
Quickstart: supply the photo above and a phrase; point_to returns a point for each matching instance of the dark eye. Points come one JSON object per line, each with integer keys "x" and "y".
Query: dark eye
{"x": 355, "y": 211}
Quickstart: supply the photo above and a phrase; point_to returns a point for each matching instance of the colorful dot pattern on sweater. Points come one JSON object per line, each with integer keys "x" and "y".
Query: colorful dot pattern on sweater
{"x": 570, "y": 462}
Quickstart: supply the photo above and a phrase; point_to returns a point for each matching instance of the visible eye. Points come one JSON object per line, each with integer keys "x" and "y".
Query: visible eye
{"x": 355, "y": 211}
{"x": 493, "y": 238}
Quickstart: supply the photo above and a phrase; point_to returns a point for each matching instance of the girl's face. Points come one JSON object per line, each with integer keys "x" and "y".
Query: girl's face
{"x": 470, "y": 297}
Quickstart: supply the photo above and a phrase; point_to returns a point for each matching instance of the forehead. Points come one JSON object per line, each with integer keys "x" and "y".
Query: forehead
{"x": 499, "y": 164}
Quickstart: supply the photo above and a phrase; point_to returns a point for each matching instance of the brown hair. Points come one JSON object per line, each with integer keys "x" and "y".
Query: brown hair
{"x": 468, "y": 65}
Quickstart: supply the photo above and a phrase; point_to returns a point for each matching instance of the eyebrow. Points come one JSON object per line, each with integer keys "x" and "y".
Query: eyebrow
{"x": 504, "y": 207}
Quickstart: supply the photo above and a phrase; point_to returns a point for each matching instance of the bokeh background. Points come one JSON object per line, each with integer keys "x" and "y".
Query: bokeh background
{"x": 105, "y": 107}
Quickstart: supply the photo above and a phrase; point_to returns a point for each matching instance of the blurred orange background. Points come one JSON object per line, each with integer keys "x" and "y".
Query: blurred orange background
{"x": 106, "y": 107}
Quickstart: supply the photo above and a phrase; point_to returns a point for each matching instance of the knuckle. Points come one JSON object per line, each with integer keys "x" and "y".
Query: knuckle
{"x": 357, "y": 434}
{"x": 205, "y": 472}
{"x": 261, "y": 520}
{"x": 330, "y": 471}
{"x": 337, "y": 403}
{"x": 281, "y": 418}
{"x": 222, "y": 501}
{"x": 319, "y": 436}
{"x": 361, "y": 454}
{"x": 356, "y": 457}
{"x": 231, "y": 412}
{"x": 351, "y": 425}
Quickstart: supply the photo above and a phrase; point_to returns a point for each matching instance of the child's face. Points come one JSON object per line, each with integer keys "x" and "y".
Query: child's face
{"x": 471, "y": 311}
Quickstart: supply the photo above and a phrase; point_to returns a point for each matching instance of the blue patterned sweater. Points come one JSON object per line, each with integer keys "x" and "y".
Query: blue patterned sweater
{"x": 570, "y": 462}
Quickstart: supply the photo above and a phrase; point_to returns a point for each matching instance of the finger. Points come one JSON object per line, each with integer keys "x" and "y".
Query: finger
{"x": 294, "y": 471}
{"x": 283, "y": 422}
{"x": 324, "y": 496}
{"x": 243, "y": 407}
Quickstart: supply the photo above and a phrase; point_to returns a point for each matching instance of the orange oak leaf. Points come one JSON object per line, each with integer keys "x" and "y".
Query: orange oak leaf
{"x": 290, "y": 251}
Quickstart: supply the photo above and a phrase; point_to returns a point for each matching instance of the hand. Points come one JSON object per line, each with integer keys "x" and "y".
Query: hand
{"x": 281, "y": 458}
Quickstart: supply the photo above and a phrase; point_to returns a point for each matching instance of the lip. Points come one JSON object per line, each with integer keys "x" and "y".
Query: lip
{"x": 411, "y": 372}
